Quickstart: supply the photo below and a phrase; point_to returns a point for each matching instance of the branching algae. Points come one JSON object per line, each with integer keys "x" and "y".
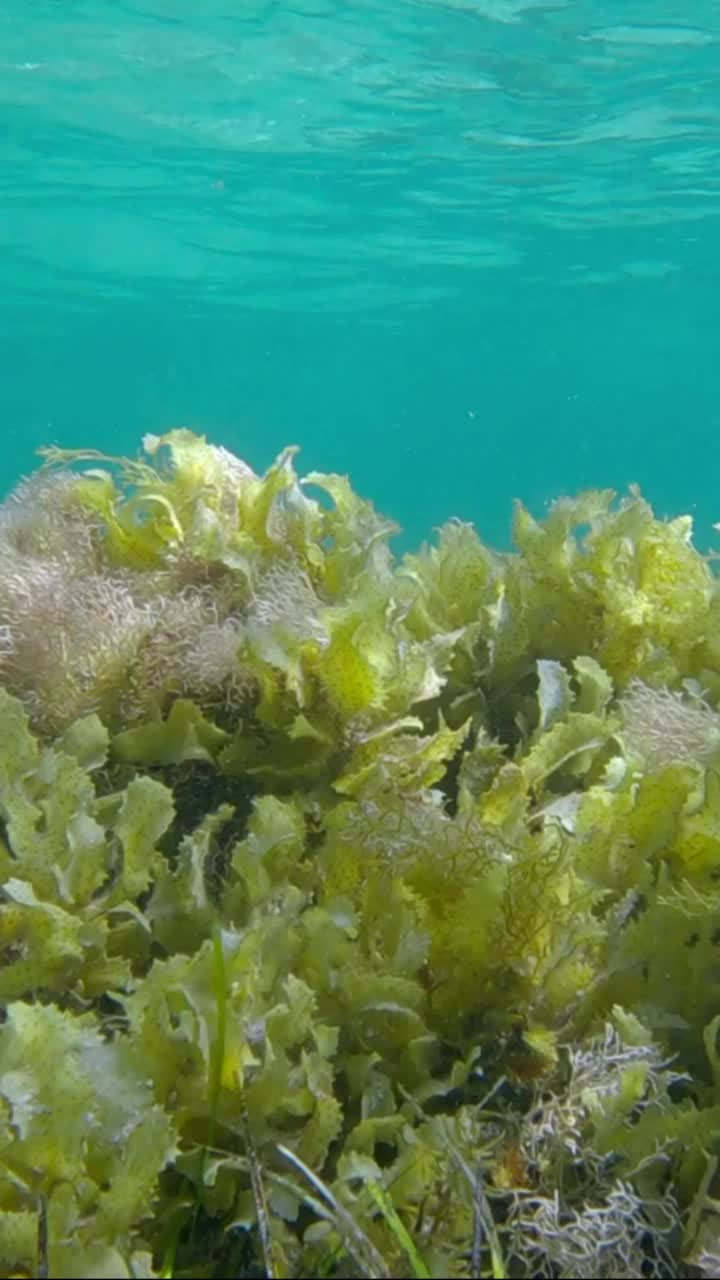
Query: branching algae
{"x": 358, "y": 916}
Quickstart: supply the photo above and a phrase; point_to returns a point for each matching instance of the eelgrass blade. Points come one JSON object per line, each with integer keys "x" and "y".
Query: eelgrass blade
{"x": 351, "y": 1233}
{"x": 398, "y": 1228}
{"x": 258, "y": 1191}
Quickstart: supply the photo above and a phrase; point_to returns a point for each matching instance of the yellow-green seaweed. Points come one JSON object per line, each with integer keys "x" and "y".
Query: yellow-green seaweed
{"x": 376, "y": 897}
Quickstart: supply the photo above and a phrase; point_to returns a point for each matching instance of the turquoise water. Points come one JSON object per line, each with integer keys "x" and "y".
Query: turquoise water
{"x": 464, "y": 251}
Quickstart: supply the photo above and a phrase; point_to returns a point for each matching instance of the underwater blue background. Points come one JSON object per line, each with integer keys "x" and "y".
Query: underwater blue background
{"x": 464, "y": 251}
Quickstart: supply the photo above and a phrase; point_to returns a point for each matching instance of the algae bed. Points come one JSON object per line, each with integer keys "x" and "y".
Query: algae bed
{"x": 360, "y": 915}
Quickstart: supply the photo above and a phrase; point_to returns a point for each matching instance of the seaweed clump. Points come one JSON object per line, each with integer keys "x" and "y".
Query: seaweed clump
{"x": 357, "y": 915}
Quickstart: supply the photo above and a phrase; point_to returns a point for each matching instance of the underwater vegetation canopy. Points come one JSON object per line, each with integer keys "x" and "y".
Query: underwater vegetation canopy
{"x": 358, "y": 915}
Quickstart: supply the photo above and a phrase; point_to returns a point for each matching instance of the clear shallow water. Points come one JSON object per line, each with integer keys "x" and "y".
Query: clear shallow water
{"x": 465, "y": 251}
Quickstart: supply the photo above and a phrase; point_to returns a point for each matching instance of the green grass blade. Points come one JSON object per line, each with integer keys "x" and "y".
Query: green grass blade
{"x": 398, "y": 1228}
